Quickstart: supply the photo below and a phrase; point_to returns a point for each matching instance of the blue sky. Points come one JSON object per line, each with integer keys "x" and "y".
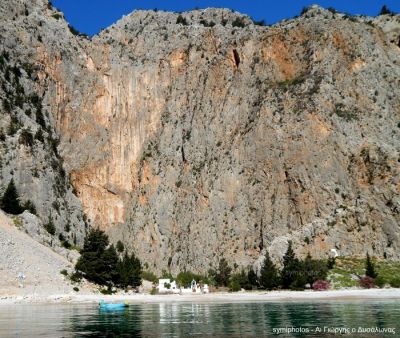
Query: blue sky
{"x": 90, "y": 16}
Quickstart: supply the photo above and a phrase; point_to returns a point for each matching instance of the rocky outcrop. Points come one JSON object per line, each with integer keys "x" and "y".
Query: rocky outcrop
{"x": 199, "y": 135}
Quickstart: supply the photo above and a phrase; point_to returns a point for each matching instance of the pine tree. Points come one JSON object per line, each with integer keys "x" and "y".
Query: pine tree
{"x": 130, "y": 271}
{"x": 269, "y": 274}
{"x": 10, "y": 200}
{"x": 252, "y": 277}
{"x": 370, "y": 268}
{"x": 224, "y": 273}
{"x": 96, "y": 262}
{"x": 290, "y": 267}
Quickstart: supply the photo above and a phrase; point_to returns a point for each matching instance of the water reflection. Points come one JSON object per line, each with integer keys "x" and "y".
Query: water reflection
{"x": 187, "y": 319}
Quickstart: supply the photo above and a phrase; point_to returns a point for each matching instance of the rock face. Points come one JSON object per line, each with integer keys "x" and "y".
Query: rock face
{"x": 195, "y": 136}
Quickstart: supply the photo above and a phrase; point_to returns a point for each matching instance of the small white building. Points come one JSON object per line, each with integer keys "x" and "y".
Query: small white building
{"x": 166, "y": 286}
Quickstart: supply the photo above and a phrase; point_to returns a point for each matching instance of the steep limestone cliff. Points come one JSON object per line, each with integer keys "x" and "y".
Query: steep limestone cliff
{"x": 204, "y": 135}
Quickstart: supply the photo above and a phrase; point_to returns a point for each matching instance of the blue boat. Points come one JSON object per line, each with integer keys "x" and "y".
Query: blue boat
{"x": 112, "y": 306}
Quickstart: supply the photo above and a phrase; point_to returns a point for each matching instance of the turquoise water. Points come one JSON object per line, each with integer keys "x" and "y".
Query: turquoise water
{"x": 203, "y": 320}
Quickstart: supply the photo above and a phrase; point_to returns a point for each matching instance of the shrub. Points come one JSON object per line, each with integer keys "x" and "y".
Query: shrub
{"x": 49, "y": 226}
{"x": 185, "y": 278}
{"x": 148, "y": 275}
{"x": 10, "y": 200}
{"x": 370, "y": 268}
{"x": 331, "y": 263}
{"x": 239, "y": 22}
{"x": 153, "y": 291}
{"x": 76, "y": 289}
{"x": 395, "y": 282}
{"x": 380, "y": 282}
{"x": 130, "y": 271}
{"x": 367, "y": 282}
{"x": 64, "y": 272}
{"x": 75, "y": 277}
{"x": 29, "y": 206}
{"x": 26, "y": 137}
{"x": 181, "y": 20}
{"x": 321, "y": 285}
{"x": 386, "y": 11}
{"x": 120, "y": 246}
{"x": 234, "y": 285}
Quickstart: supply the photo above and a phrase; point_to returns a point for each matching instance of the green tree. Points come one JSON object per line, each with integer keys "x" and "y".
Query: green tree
{"x": 224, "y": 273}
{"x": 370, "y": 268}
{"x": 385, "y": 10}
{"x": 252, "y": 278}
{"x": 130, "y": 271}
{"x": 96, "y": 262}
{"x": 290, "y": 267}
{"x": 10, "y": 200}
{"x": 120, "y": 246}
{"x": 269, "y": 277}
{"x": 185, "y": 278}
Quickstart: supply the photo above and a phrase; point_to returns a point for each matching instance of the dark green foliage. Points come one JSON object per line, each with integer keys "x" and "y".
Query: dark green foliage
{"x": 26, "y": 137}
{"x": 14, "y": 126}
{"x": 290, "y": 267}
{"x": 370, "y": 268}
{"x": 64, "y": 241}
{"x": 331, "y": 263}
{"x": 49, "y": 226}
{"x": 206, "y": 23}
{"x": 313, "y": 270}
{"x": 10, "y": 200}
{"x": 184, "y": 279}
{"x": 345, "y": 114}
{"x": 2, "y": 135}
{"x": 130, "y": 271}
{"x": 304, "y": 10}
{"x": 57, "y": 16}
{"x": 64, "y": 272}
{"x": 148, "y": 275}
{"x": 40, "y": 117}
{"x": 386, "y": 11}
{"x": 252, "y": 278}
{"x": 269, "y": 278}
{"x": 181, "y": 20}
{"x": 74, "y": 31}
{"x": 239, "y": 22}
{"x": 239, "y": 281}
{"x": 223, "y": 274}
{"x": 332, "y": 10}
{"x": 101, "y": 265}
{"x": 259, "y": 23}
{"x": 120, "y": 246}
{"x": 76, "y": 289}
{"x": 29, "y": 206}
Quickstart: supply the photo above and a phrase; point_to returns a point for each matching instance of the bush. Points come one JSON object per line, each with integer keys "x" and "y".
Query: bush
{"x": 184, "y": 279}
{"x": 64, "y": 272}
{"x": 234, "y": 285}
{"x": 10, "y": 200}
{"x": 29, "y": 206}
{"x": 120, "y": 246}
{"x": 367, "y": 282}
{"x": 370, "y": 268}
{"x": 76, "y": 277}
{"x": 395, "y": 282}
{"x": 380, "y": 282}
{"x": 321, "y": 285}
{"x": 130, "y": 271}
{"x": 181, "y": 20}
{"x": 26, "y": 137}
{"x": 148, "y": 275}
{"x": 153, "y": 291}
{"x": 49, "y": 226}
{"x": 76, "y": 289}
{"x": 239, "y": 22}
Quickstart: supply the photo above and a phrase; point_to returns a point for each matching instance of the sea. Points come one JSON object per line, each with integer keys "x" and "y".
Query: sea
{"x": 256, "y": 319}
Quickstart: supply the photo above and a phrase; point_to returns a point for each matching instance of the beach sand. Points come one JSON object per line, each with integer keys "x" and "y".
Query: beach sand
{"x": 217, "y": 297}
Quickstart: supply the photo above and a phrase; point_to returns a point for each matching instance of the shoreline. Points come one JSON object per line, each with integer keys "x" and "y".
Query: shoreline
{"x": 216, "y": 297}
